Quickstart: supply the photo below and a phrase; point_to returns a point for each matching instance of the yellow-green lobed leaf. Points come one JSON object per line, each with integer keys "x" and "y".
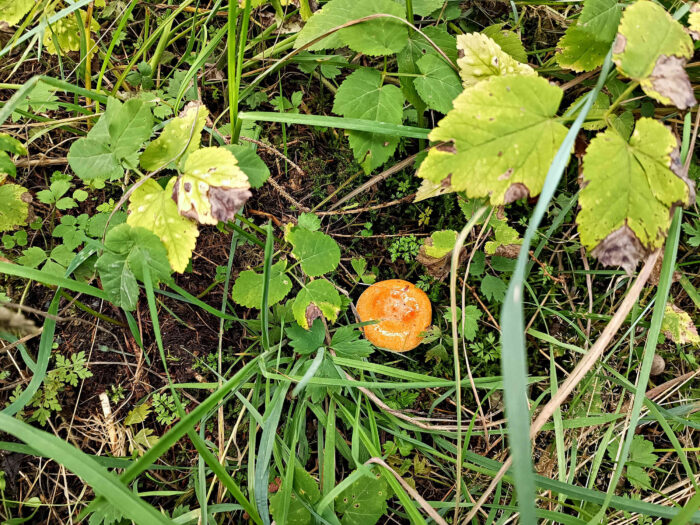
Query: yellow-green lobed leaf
{"x": 482, "y": 58}
{"x": 14, "y": 206}
{"x": 502, "y": 137}
{"x": 628, "y": 190}
{"x": 153, "y": 208}
{"x": 653, "y": 48}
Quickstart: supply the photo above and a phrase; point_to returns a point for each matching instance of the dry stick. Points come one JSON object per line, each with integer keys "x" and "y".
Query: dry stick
{"x": 371, "y": 182}
{"x": 369, "y": 208}
{"x": 579, "y": 372}
{"x": 429, "y": 510}
{"x": 277, "y": 152}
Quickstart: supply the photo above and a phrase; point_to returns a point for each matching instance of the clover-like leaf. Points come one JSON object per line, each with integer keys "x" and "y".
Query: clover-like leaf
{"x": 12, "y": 11}
{"x": 502, "y": 137}
{"x": 363, "y": 95}
{"x": 439, "y": 84}
{"x": 317, "y": 252}
{"x": 586, "y": 41}
{"x": 116, "y": 138}
{"x": 14, "y": 206}
{"x": 153, "y": 208}
{"x": 628, "y": 190}
{"x": 381, "y": 36}
{"x": 653, "y": 48}
{"x": 482, "y": 58}
{"x": 319, "y": 294}
{"x": 213, "y": 187}
{"x": 248, "y": 288}
{"x": 185, "y": 129}
{"x": 129, "y": 253}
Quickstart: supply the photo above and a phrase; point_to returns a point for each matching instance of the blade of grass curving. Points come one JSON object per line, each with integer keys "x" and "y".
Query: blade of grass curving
{"x": 652, "y": 338}
{"x": 513, "y": 353}
{"x": 373, "y": 126}
{"x": 264, "y": 311}
{"x": 51, "y": 280}
{"x": 311, "y": 372}
{"x": 262, "y": 465}
{"x": 91, "y": 472}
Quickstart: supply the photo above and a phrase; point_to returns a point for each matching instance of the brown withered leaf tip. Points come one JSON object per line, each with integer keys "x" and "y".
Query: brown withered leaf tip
{"x": 670, "y": 79}
{"x": 677, "y": 167}
{"x": 438, "y": 267}
{"x": 15, "y": 322}
{"x": 620, "y": 248}
{"x": 313, "y": 312}
{"x": 225, "y": 202}
{"x": 619, "y": 44}
{"x": 509, "y": 251}
{"x": 515, "y": 192}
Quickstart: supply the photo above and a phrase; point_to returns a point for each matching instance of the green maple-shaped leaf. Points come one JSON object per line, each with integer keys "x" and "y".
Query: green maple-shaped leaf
{"x": 586, "y": 42}
{"x": 439, "y": 84}
{"x": 363, "y": 502}
{"x": 320, "y": 294}
{"x": 12, "y": 11}
{"x": 248, "y": 288}
{"x": 629, "y": 188}
{"x": 363, "y": 95}
{"x": 14, "y": 206}
{"x": 317, "y": 252}
{"x": 482, "y": 58}
{"x": 213, "y": 187}
{"x": 418, "y": 47}
{"x": 64, "y": 34}
{"x": 129, "y": 253}
{"x": 443, "y": 243}
{"x": 115, "y": 139}
{"x": 183, "y": 130}
{"x": 153, "y": 208}
{"x": 502, "y": 137}
{"x": 653, "y": 48}
{"x": 381, "y": 36}
{"x": 678, "y": 326}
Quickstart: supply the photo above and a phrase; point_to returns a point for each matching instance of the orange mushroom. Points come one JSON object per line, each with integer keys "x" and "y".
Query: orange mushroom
{"x": 403, "y": 312}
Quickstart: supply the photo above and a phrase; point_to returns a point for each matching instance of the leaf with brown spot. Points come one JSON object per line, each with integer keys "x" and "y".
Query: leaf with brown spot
{"x": 653, "y": 49}
{"x": 678, "y": 327}
{"x": 213, "y": 187}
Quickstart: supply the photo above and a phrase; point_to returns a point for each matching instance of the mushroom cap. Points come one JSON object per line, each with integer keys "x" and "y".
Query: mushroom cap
{"x": 403, "y": 312}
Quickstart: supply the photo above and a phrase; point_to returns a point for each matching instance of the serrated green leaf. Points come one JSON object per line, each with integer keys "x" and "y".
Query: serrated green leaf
{"x": 363, "y": 502}
{"x": 362, "y": 95}
{"x": 213, "y": 187}
{"x": 417, "y": 48}
{"x": 185, "y": 129}
{"x": 383, "y": 36}
{"x": 586, "y": 42}
{"x": 443, "y": 243}
{"x": 348, "y": 342}
{"x": 129, "y": 252}
{"x": 14, "y": 206}
{"x": 317, "y": 252}
{"x": 503, "y": 138}
{"x": 304, "y": 341}
{"x": 247, "y": 290}
{"x": 309, "y": 221}
{"x": 12, "y": 11}
{"x": 138, "y": 414}
{"x": 470, "y": 322}
{"x": 653, "y": 48}
{"x": 493, "y": 288}
{"x": 678, "y": 327}
{"x": 508, "y": 41}
{"x": 321, "y": 294}
{"x": 116, "y": 138}
{"x": 628, "y": 190}
{"x": 153, "y": 208}
{"x": 439, "y": 85}
{"x": 482, "y": 58}
{"x": 251, "y": 164}
{"x": 503, "y": 235}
